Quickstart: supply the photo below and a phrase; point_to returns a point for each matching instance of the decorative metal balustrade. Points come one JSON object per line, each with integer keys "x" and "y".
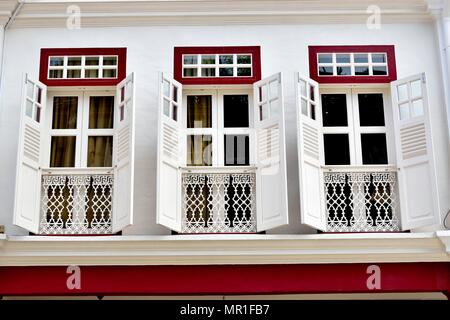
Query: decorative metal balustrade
{"x": 361, "y": 201}
{"x": 76, "y": 203}
{"x": 219, "y": 202}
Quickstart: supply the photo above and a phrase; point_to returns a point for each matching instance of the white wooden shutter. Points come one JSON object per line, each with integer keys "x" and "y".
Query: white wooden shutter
{"x": 419, "y": 203}
{"x": 169, "y": 154}
{"x": 309, "y": 141}
{"x": 271, "y": 184}
{"x": 124, "y": 154}
{"x": 28, "y": 177}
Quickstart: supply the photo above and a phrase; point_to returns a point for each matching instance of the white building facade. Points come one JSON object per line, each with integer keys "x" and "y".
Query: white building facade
{"x": 292, "y": 137}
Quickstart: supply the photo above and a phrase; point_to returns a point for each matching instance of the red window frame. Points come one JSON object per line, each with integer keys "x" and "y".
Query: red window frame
{"x": 121, "y": 54}
{"x": 255, "y": 51}
{"x": 390, "y": 56}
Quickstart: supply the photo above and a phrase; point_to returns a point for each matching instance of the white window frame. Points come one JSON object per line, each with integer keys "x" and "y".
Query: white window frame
{"x": 82, "y": 132}
{"x": 354, "y": 129}
{"x": 83, "y": 67}
{"x": 218, "y": 131}
{"x": 352, "y": 64}
{"x": 235, "y": 65}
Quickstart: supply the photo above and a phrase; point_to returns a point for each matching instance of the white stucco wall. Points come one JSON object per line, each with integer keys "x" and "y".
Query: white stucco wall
{"x": 150, "y": 50}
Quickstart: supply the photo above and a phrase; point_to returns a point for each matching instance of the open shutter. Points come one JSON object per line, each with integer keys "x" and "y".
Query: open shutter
{"x": 28, "y": 179}
{"x": 309, "y": 154}
{"x": 124, "y": 154}
{"x": 169, "y": 154}
{"x": 271, "y": 185}
{"x": 419, "y": 203}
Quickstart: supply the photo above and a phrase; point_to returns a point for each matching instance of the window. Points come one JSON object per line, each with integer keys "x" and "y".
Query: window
{"x": 352, "y": 64}
{"x": 89, "y": 66}
{"x": 218, "y": 128}
{"x": 82, "y": 130}
{"x": 354, "y": 127}
{"x": 217, "y": 65}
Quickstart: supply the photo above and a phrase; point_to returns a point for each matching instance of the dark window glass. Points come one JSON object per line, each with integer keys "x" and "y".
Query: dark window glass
{"x": 62, "y": 153}
{"x": 226, "y": 72}
{"x": 100, "y": 151}
{"x": 235, "y": 111}
{"x": 362, "y": 71}
{"x": 344, "y": 71}
{"x": 334, "y": 110}
{"x": 199, "y": 112}
{"x": 374, "y": 149}
{"x": 371, "y": 112}
{"x": 101, "y": 112}
{"x": 337, "y": 150}
{"x": 325, "y": 71}
{"x": 65, "y": 112}
{"x": 236, "y": 150}
{"x": 379, "y": 70}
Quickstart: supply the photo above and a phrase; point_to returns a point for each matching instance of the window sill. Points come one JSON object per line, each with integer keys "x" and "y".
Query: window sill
{"x": 225, "y": 249}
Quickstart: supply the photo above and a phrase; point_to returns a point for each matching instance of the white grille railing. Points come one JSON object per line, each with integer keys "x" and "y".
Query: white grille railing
{"x": 76, "y": 202}
{"x": 363, "y": 200}
{"x": 219, "y": 202}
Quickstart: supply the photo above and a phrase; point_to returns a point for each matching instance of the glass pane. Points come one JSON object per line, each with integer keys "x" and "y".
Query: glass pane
{"x": 101, "y": 112}
{"x": 378, "y": 57}
{"x": 226, "y": 59}
{"x": 244, "y": 72}
{"x": 402, "y": 92}
{"x": 416, "y": 89}
{"x": 92, "y": 61}
{"x": 109, "y": 73}
{"x": 325, "y": 58}
{"x": 74, "y": 61}
{"x": 361, "y": 58}
{"x": 312, "y": 95}
{"x": 166, "y": 89}
{"x": 62, "y": 153}
{"x": 174, "y": 112}
{"x": 343, "y": 71}
{"x": 37, "y": 116}
{"x": 109, "y": 61}
{"x": 73, "y": 73}
{"x": 175, "y": 93}
{"x": 29, "y": 109}
{"x": 303, "y": 88}
{"x": 334, "y": 110}
{"x": 100, "y": 151}
{"x": 55, "y": 74}
{"x": 417, "y": 107}
{"x": 166, "y": 108}
{"x": 361, "y": 70}
{"x": 208, "y": 59}
{"x": 275, "y": 108}
{"x": 199, "y": 112}
{"x": 263, "y": 93}
{"x": 304, "y": 106}
{"x": 199, "y": 150}
{"x": 313, "y": 111}
{"x": 92, "y": 73}
{"x": 343, "y": 58}
{"x": 190, "y": 59}
{"x": 208, "y": 72}
{"x": 38, "y": 95}
{"x": 226, "y": 72}
{"x": 404, "y": 111}
{"x": 325, "y": 71}
{"x": 273, "y": 87}
{"x": 379, "y": 70}
{"x": 65, "y": 112}
{"x": 189, "y": 72}
{"x": 371, "y": 111}
{"x": 373, "y": 146}
{"x": 244, "y": 59}
{"x": 263, "y": 111}
{"x": 337, "y": 150}
{"x": 56, "y": 61}
{"x": 30, "y": 90}
{"x": 236, "y": 150}
{"x": 235, "y": 111}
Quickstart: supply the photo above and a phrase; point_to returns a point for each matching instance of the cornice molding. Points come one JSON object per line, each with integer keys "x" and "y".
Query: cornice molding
{"x": 222, "y": 249}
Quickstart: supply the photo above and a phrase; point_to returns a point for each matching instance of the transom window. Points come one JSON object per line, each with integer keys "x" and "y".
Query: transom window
{"x": 217, "y": 65}
{"x": 352, "y": 64}
{"x": 82, "y": 67}
{"x": 354, "y": 126}
{"x": 81, "y": 130}
{"x": 218, "y": 130}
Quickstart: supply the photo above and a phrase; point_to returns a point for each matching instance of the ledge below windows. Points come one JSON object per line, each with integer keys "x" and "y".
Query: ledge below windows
{"x": 224, "y": 249}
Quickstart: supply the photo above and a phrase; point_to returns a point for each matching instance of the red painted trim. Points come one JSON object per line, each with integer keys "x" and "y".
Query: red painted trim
{"x": 225, "y": 279}
{"x": 390, "y": 55}
{"x": 178, "y": 64}
{"x": 121, "y": 66}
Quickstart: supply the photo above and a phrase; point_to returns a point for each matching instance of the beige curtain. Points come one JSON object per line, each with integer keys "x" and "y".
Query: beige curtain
{"x": 199, "y": 113}
{"x": 101, "y": 111}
